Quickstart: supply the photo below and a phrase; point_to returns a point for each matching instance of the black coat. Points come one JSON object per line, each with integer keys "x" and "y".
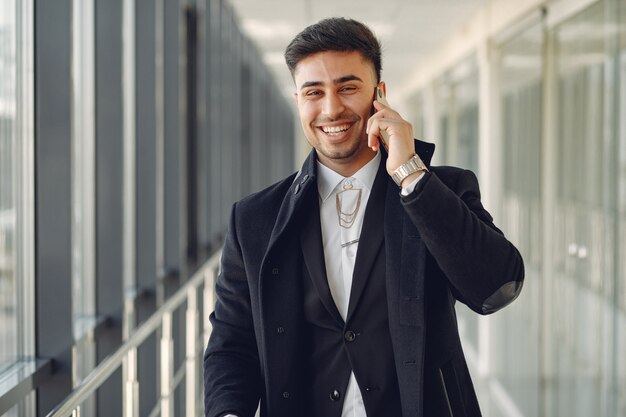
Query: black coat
{"x": 440, "y": 246}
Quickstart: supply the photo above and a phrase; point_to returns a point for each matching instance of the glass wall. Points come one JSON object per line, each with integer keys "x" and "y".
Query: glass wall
{"x": 620, "y": 287}
{"x": 144, "y": 112}
{"x": 516, "y": 328}
{"x": 8, "y": 179}
{"x": 584, "y": 216}
{"x": 557, "y": 102}
{"x": 417, "y": 116}
{"x": 16, "y": 195}
{"x": 16, "y": 183}
{"x": 457, "y": 112}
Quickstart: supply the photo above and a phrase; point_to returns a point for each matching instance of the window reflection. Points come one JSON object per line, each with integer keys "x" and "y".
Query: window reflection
{"x": 8, "y": 122}
{"x": 583, "y": 346}
{"x": 517, "y": 327}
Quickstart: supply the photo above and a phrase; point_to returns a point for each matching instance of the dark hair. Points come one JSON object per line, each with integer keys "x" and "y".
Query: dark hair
{"x": 334, "y": 34}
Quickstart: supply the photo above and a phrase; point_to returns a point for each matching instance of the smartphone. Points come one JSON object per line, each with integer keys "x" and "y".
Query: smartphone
{"x": 384, "y": 136}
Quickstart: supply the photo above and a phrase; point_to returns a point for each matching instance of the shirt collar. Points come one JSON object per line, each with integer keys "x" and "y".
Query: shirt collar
{"x": 327, "y": 179}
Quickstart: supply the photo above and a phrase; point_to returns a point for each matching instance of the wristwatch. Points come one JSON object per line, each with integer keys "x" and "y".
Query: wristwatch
{"x": 414, "y": 164}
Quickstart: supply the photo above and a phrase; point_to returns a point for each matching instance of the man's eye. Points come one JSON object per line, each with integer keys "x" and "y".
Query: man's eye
{"x": 347, "y": 89}
{"x": 312, "y": 93}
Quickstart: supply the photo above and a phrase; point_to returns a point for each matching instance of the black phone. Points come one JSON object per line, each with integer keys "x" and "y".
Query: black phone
{"x": 384, "y": 136}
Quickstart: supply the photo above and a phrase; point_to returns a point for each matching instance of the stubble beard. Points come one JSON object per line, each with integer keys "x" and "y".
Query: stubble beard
{"x": 344, "y": 155}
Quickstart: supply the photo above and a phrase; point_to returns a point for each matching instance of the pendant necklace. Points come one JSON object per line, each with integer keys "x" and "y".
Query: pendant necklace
{"x": 347, "y": 218}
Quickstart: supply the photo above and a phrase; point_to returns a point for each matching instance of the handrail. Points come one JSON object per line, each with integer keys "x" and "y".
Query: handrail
{"x": 110, "y": 364}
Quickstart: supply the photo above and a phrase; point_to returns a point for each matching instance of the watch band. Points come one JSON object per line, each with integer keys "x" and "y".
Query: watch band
{"x": 414, "y": 164}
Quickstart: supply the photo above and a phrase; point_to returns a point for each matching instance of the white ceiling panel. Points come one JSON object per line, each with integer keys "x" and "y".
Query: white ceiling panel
{"x": 409, "y": 30}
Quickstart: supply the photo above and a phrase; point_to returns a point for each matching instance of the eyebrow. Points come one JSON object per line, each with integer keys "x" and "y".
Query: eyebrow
{"x": 336, "y": 81}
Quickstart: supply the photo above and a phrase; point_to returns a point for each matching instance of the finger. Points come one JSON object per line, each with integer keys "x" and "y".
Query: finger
{"x": 379, "y": 106}
{"x": 372, "y": 141}
{"x": 378, "y": 134}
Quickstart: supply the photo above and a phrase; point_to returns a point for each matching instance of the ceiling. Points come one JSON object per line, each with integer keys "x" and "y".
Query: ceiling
{"x": 408, "y": 29}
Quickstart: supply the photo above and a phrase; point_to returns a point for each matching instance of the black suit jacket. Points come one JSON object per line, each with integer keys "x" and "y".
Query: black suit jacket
{"x": 440, "y": 246}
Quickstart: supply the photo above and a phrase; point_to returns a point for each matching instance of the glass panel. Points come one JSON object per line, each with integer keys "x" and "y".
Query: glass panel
{"x": 83, "y": 173}
{"x": 83, "y": 194}
{"x": 416, "y": 104}
{"x": 457, "y": 102}
{"x": 516, "y": 328}
{"x": 8, "y": 181}
{"x": 584, "y": 217}
{"x": 620, "y": 288}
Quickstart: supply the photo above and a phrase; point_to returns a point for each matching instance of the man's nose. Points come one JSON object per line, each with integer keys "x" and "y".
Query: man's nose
{"x": 332, "y": 106}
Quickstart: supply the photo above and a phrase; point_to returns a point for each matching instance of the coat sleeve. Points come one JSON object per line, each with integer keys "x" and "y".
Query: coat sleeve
{"x": 484, "y": 270}
{"x": 232, "y": 377}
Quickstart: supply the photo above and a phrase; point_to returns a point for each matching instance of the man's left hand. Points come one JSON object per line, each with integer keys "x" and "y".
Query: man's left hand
{"x": 400, "y": 132}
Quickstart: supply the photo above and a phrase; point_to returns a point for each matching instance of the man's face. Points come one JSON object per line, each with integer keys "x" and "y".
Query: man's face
{"x": 334, "y": 98}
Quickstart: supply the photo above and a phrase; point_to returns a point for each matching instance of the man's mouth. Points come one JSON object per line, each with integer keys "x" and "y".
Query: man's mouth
{"x": 335, "y": 130}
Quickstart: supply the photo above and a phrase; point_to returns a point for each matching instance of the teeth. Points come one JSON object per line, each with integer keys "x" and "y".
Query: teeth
{"x": 335, "y": 129}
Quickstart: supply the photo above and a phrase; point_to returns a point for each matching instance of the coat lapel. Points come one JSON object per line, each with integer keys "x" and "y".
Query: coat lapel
{"x": 313, "y": 250}
{"x": 292, "y": 202}
{"x": 289, "y": 213}
{"x": 371, "y": 238}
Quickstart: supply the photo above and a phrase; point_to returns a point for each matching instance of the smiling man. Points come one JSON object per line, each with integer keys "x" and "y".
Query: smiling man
{"x": 337, "y": 288}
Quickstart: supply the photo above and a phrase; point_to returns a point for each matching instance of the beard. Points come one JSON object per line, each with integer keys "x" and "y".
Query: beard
{"x": 345, "y": 154}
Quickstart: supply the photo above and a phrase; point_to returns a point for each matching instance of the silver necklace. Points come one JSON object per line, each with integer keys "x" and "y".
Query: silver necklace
{"x": 346, "y": 218}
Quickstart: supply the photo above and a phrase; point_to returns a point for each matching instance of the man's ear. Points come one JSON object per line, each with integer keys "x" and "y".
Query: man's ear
{"x": 295, "y": 98}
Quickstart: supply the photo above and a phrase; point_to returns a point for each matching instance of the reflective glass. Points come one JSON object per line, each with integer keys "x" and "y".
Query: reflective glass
{"x": 416, "y": 104}
{"x": 619, "y": 353}
{"x": 584, "y": 218}
{"x": 8, "y": 179}
{"x": 516, "y": 329}
{"x": 457, "y": 104}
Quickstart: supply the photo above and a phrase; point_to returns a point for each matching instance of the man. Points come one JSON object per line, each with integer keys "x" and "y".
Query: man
{"x": 337, "y": 289}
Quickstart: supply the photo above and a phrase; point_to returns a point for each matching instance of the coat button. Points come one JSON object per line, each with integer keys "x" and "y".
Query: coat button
{"x": 275, "y": 271}
{"x": 280, "y": 330}
{"x": 349, "y": 336}
{"x": 286, "y": 395}
{"x": 335, "y": 395}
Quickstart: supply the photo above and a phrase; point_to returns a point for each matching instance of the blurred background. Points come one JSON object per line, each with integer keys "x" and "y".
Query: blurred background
{"x": 129, "y": 127}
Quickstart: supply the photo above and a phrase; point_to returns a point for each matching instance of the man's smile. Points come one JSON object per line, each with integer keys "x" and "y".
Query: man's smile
{"x": 336, "y": 130}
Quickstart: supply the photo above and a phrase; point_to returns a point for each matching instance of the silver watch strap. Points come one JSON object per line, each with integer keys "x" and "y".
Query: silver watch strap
{"x": 414, "y": 164}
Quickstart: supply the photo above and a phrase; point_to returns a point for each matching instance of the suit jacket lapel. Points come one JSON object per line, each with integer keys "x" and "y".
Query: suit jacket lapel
{"x": 292, "y": 202}
{"x": 313, "y": 250}
{"x": 290, "y": 211}
{"x": 371, "y": 238}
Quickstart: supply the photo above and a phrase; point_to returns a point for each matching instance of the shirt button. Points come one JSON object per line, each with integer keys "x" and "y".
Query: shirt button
{"x": 349, "y": 336}
{"x": 286, "y": 395}
{"x": 335, "y": 395}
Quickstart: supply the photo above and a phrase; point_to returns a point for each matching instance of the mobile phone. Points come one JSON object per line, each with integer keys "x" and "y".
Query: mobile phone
{"x": 384, "y": 136}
